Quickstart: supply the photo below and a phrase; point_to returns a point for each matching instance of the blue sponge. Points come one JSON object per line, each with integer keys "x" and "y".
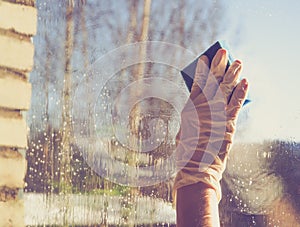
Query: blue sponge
{"x": 189, "y": 71}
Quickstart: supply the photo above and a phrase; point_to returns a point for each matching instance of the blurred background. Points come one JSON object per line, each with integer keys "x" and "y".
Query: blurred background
{"x": 87, "y": 163}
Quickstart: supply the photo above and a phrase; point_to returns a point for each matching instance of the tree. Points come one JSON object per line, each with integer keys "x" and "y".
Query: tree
{"x": 91, "y": 30}
{"x": 65, "y": 166}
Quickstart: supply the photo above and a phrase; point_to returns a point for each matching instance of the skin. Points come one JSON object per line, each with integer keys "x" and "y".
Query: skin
{"x": 197, "y": 204}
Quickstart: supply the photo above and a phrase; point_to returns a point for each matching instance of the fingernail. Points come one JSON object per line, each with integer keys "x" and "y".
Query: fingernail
{"x": 238, "y": 61}
{"x": 244, "y": 84}
{"x": 220, "y": 54}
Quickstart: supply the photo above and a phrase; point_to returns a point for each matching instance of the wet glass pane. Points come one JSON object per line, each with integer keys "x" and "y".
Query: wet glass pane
{"x": 106, "y": 100}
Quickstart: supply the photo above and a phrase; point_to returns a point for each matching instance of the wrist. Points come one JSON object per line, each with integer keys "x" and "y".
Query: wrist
{"x": 197, "y": 205}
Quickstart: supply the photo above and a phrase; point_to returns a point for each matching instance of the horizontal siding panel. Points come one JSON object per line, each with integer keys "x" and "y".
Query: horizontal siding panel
{"x": 16, "y": 54}
{"x": 13, "y": 132}
{"x": 19, "y": 18}
{"x": 12, "y": 169}
{"x": 12, "y": 213}
{"x": 14, "y": 93}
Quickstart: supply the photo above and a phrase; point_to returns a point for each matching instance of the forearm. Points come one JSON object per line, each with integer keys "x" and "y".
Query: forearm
{"x": 197, "y": 205}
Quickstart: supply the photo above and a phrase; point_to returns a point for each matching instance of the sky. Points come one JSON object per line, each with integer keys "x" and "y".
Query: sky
{"x": 267, "y": 42}
{"x": 269, "y": 48}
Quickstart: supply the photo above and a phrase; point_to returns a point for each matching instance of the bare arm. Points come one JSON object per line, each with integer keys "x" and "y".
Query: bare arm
{"x": 197, "y": 205}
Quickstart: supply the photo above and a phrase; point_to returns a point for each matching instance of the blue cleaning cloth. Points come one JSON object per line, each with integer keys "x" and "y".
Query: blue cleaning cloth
{"x": 189, "y": 71}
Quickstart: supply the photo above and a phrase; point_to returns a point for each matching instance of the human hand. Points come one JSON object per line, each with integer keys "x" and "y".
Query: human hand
{"x": 208, "y": 122}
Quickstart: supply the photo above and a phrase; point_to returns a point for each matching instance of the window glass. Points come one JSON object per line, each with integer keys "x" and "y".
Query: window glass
{"x": 106, "y": 100}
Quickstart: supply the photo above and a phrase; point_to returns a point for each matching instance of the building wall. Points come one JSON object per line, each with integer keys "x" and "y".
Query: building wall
{"x": 18, "y": 21}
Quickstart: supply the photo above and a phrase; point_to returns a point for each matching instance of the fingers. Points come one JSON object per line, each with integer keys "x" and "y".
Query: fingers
{"x": 208, "y": 81}
{"x": 200, "y": 77}
{"x": 237, "y": 99}
{"x": 230, "y": 79}
{"x": 217, "y": 71}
